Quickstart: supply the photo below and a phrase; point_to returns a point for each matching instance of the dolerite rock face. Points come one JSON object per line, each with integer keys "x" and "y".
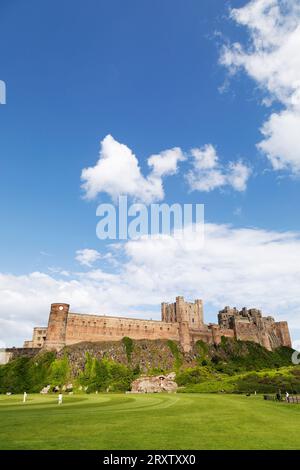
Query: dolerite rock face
{"x": 160, "y": 383}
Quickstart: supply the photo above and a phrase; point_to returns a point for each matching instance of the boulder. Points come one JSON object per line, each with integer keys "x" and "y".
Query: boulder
{"x": 155, "y": 384}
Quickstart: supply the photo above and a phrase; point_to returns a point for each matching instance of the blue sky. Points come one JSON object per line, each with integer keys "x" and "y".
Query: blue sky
{"x": 149, "y": 73}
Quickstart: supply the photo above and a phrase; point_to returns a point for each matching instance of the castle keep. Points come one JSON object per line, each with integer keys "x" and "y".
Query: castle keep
{"x": 180, "y": 321}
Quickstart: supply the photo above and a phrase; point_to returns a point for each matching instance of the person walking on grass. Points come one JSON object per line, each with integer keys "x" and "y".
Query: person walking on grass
{"x": 24, "y": 397}
{"x": 60, "y": 399}
{"x": 287, "y": 396}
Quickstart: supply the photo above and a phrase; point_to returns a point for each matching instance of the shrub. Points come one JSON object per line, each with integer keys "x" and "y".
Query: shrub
{"x": 176, "y": 353}
{"x": 193, "y": 375}
{"x": 243, "y": 356}
{"x": 129, "y": 346}
{"x": 104, "y": 374}
{"x": 26, "y": 374}
{"x": 202, "y": 352}
{"x": 156, "y": 371}
{"x": 59, "y": 371}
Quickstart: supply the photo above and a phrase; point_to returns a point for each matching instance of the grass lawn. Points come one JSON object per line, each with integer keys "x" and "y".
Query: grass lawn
{"x": 153, "y": 421}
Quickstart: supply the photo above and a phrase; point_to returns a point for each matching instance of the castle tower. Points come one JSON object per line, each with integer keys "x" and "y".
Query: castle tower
{"x": 181, "y": 311}
{"x": 164, "y": 312}
{"x": 184, "y": 327}
{"x": 198, "y": 314}
{"x": 57, "y": 325}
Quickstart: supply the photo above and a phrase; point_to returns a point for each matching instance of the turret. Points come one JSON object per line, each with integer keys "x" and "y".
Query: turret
{"x": 57, "y": 325}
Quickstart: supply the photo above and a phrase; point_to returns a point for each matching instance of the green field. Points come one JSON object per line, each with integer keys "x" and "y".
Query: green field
{"x": 164, "y": 421}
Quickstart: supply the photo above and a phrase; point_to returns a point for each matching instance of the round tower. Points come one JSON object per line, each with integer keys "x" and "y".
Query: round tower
{"x": 57, "y": 325}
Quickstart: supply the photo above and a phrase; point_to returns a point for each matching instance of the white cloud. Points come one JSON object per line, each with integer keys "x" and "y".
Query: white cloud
{"x": 235, "y": 267}
{"x": 282, "y": 140}
{"x": 166, "y": 163}
{"x": 87, "y": 257}
{"x": 205, "y": 158}
{"x": 273, "y": 60}
{"x": 237, "y": 175}
{"x": 117, "y": 172}
{"x": 208, "y": 173}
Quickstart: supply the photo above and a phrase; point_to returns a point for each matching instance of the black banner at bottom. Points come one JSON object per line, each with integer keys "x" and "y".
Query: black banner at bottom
{"x": 135, "y": 459}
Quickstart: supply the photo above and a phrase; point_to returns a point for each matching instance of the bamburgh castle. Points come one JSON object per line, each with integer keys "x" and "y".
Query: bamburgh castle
{"x": 180, "y": 321}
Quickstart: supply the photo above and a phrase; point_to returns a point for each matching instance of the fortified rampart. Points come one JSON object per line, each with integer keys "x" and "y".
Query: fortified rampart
{"x": 181, "y": 321}
{"x": 8, "y": 354}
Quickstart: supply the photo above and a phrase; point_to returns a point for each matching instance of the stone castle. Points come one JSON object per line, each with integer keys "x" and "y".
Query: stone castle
{"x": 180, "y": 321}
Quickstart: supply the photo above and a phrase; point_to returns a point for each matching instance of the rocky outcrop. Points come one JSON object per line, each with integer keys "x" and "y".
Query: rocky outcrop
{"x": 45, "y": 390}
{"x": 156, "y": 384}
{"x": 146, "y": 354}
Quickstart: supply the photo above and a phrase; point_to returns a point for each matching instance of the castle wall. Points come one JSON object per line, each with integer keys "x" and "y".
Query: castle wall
{"x": 282, "y": 331}
{"x": 246, "y": 331}
{"x": 204, "y": 334}
{"x": 103, "y": 328}
{"x": 8, "y": 354}
{"x": 211, "y": 334}
{"x": 228, "y": 333}
{"x": 218, "y": 332}
{"x": 5, "y": 356}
